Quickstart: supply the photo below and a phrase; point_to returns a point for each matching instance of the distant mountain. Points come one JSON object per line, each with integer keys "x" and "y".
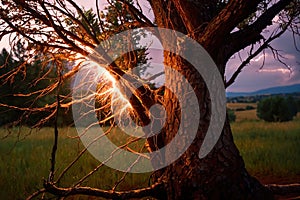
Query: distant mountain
{"x": 273, "y": 90}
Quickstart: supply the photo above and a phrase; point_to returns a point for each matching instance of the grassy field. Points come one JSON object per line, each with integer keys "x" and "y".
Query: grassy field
{"x": 25, "y": 163}
{"x": 235, "y": 106}
{"x": 244, "y": 115}
{"x": 270, "y": 150}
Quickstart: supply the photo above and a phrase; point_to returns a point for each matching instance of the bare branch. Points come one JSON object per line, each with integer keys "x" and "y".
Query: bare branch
{"x": 252, "y": 33}
{"x": 35, "y": 194}
{"x": 284, "y": 189}
{"x": 138, "y": 15}
{"x": 224, "y": 23}
{"x": 265, "y": 45}
{"x": 55, "y": 143}
{"x": 153, "y": 190}
{"x": 94, "y": 35}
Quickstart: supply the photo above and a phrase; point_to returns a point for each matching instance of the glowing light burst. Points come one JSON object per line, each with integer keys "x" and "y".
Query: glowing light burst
{"x": 108, "y": 96}
{"x": 115, "y": 94}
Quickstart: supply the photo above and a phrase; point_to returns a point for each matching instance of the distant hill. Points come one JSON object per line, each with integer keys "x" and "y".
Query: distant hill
{"x": 268, "y": 91}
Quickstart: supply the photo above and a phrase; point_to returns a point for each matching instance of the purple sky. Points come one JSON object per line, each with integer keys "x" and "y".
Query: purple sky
{"x": 251, "y": 78}
{"x": 273, "y": 73}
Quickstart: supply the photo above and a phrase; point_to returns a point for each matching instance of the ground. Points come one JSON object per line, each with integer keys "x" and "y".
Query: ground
{"x": 271, "y": 152}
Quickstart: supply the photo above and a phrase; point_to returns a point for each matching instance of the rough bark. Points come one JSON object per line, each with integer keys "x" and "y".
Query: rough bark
{"x": 221, "y": 174}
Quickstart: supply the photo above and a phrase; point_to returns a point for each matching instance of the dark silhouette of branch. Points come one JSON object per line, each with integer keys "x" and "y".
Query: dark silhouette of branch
{"x": 94, "y": 35}
{"x": 35, "y": 194}
{"x": 154, "y": 76}
{"x": 284, "y": 189}
{"x": 138, "y": 15}
{"x": 252, "y": 33}
{"x": 55, "y": 143}
{"x": 153, "y": 190}
{"x": 265, "y": 45}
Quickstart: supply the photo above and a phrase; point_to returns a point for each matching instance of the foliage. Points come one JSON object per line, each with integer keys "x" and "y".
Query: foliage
{"x": 231, "y": 115}
{"x": 116, "y": 18}
{"x": 298, "y": 105}
{"x": 248, "y": 107}
{"x": 277, "y": 109}
{"x": 18, "y": 90}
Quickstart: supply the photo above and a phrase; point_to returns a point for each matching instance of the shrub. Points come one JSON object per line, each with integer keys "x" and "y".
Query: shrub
{"x": 231, "y": 115}
{"x": 248, "y": 107}
{"x": 277, "y": 109}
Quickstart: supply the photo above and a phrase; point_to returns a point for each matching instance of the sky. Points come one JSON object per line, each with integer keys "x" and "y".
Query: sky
{"x": 273, "y": 73}
{"x": 252, "y": 78}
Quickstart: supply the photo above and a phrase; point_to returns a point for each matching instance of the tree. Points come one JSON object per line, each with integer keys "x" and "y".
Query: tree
{"x": 14, "y": 85}
{"x": 19, "y": 85}
{"x": 231, "y": 115}
{"x": 277, "y": 109}
{"x": 217, "y": 25}
{"x": 298, "y": 105}
{"x": 292, "y": 105}
{"x": 7, "y": 116}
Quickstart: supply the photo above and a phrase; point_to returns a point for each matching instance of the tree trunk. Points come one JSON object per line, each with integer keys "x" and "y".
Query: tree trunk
{"x": 221, "y": 174}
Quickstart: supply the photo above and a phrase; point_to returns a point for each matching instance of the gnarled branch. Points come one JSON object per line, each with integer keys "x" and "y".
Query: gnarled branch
{"x": 153, "y": 190}
{"x": 252, "y": 33}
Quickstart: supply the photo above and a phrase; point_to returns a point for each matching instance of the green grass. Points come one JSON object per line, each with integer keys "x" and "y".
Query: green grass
{"x": 269, "y": 149}
{"x": 25, "y": 162}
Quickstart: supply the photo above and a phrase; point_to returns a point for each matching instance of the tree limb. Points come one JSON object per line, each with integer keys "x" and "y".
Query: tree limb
{"x": 153, "y": 190}
{"x": 233, "y": 13}
{"x": 94, "y": 35}
{"x": 253, "y": 55}
{"x": 252, "y": 33}
{"x": 284, "y": 189}
{"x": 138, "y": 15}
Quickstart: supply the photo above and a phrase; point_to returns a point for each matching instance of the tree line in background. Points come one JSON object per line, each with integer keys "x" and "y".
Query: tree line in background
{"x": 278, "y": 109}
{"x": 33, "y": 86}
{"x": 33, "y": 77}
{"x": 18, "y": 90}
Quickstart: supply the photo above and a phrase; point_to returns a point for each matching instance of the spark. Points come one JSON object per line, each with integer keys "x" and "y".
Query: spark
{"x": 108, "y": 95}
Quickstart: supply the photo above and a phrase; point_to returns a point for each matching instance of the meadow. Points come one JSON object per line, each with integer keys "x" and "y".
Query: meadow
{"x": 25, "y": 163}
{"x": 271, "y": 152}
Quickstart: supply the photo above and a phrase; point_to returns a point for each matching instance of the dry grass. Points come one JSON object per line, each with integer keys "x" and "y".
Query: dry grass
{"x": 246, "y": 115}
{"x": 235, "y": 106}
